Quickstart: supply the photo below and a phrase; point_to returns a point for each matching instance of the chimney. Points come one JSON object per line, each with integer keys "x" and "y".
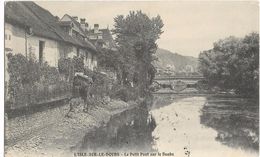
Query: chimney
{"x": 75, "y": 18}
{"x": 57, "y": 18}
{"x": 87, "y": 26}
{"x": 96, "y": 28}
{"x": 82, "y": 23}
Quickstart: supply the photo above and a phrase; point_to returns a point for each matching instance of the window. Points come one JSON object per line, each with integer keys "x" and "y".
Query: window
{"x": 5, "y": 36}
{"x": 9, "y": 37}
{"x": 99, "y": 36}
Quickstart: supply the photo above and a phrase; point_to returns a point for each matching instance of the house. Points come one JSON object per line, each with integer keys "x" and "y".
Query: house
{"x": 101, "y": 37}
{"x": 32, "y": 30}
{"x": 78, "y": 30}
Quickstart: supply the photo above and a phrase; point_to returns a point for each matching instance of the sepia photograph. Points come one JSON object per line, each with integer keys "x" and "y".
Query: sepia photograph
{"x": 131, "y": 78}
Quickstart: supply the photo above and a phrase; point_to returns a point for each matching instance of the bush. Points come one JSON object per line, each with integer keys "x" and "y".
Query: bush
{"x": 123, "y": 93}
{"x": 233, "y": 64}
{"x": 31, "y": 82}
{"x": 69, "y": 66}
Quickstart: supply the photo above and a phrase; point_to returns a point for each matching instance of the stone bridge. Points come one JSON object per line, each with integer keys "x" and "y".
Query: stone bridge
{"x": 189, "y": 80}
{"x": 177, "y": 84}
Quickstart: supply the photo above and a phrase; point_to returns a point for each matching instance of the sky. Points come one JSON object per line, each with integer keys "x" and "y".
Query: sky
{"x": 189, "y": 26}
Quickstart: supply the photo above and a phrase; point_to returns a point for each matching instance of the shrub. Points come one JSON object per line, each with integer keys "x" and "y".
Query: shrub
{"x": 69, "y": 66}
{"x": 124, "y": 93}
{"x": 31, "y": 82}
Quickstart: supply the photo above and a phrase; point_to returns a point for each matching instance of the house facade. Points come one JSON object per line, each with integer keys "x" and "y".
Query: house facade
{"x": 78, "y": 30}
{"x": 43, "y": 49}
{"x": 33, "y": 31}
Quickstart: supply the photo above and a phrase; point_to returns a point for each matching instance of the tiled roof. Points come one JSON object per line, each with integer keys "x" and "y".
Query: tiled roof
{"x": 106, "y": 36}
{"x": 42, "y": 22}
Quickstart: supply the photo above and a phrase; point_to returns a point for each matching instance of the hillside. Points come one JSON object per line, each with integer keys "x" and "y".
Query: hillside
{"x": 166, "y": 58}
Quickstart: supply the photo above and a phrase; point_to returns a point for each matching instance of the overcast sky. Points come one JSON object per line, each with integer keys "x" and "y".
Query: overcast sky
{"x": 189, "y": 27}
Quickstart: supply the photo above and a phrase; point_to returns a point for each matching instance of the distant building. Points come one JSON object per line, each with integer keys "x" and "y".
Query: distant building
{"x": 189, "y": 69}
{"x": 79, "y": 31}
{"x": 170, "y": 69}
{"x": 101, "y": 37}
{"x": 30, "y": 29}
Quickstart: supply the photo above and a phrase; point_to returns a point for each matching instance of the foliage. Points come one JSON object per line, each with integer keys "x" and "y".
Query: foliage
{"x": 68, "y": 66}
{"x": 30, "y": 80}
{"x": 109, "y": 59}
{"x": 233, "y": 64}
{"x": 124, "y": 93}
{"x": 136, "y": 36}
{"x": 65, "y": 67}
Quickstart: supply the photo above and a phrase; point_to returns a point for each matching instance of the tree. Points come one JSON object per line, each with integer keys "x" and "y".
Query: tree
{"x": 233, "y": 64}
{"x": 136, "y": 36}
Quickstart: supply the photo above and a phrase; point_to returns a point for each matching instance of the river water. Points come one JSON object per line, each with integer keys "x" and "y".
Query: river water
{"x": 193, "y": 126}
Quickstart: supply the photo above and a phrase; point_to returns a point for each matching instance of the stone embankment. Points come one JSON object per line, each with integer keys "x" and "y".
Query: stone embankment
{"x": 52, "y": 133}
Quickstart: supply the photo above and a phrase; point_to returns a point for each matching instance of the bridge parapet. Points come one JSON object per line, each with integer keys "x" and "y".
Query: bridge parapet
{"x": 180, "y": 78}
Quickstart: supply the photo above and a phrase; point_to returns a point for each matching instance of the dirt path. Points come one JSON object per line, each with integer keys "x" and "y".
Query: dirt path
{"x": 59, "y": 138}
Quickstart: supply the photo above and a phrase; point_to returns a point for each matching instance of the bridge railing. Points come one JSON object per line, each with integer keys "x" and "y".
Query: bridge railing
{"x": 178, "y": 77}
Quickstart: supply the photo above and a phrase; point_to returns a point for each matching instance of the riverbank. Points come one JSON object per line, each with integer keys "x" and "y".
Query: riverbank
{"x": 58, "y": 138}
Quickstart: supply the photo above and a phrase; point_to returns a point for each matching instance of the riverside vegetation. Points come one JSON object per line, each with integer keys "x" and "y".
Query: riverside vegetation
{"x": 233, "y": 65}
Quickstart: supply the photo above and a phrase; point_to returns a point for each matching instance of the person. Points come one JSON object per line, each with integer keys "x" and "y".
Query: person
{"x": 81, "y": 85}
{"x": 85, "y": 84}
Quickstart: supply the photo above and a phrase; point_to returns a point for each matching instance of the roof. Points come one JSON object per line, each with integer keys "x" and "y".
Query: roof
{"x": 65, "y": 23}
{"x": 42, "y": 22}
{"x": 76, "y": 22}
{"x": 106, "y": 36}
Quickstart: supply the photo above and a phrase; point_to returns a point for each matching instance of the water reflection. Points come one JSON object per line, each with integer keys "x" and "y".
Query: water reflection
{"x": 195, "y": 126}
{"x": 236, "y": 121}
{"x": 128, "y": 131}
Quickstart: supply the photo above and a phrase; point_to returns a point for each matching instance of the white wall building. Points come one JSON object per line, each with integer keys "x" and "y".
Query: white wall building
{"x": 32, "y": 30}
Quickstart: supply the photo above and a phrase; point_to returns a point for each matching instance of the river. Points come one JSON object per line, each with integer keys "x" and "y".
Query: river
{"x": 192, "y": 126}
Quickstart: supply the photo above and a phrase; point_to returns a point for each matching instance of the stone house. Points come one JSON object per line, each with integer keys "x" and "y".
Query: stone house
{"x": 32, "y": 30}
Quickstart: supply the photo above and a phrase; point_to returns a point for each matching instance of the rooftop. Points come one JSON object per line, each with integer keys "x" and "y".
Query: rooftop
{"x": 42, "y": 22}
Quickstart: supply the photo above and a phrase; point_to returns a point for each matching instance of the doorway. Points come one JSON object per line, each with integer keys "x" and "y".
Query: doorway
{"x": 41, "y": 48}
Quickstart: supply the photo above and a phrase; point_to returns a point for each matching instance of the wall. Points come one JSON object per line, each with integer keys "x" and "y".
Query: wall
{"x": 89, "y": 61}
{"x": 66, "y": 50}
{"x": 95, "y": 61}
{"x": 18, "y": 44}
{"x": 15, "y": 42}
{"x": 50, "y": 50}
{"x": 53, "y": 50}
